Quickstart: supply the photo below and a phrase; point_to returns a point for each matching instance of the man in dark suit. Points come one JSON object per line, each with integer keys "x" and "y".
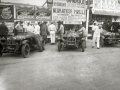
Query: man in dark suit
{"x": 3, "y": 30}
{"x": 44, "y": 31}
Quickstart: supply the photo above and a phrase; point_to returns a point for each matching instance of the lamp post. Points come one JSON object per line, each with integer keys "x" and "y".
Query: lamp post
{"x": 87, "y": 19}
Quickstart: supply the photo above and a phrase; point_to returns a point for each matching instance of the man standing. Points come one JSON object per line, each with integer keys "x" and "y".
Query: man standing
{"x": 43, "y": 32}
{"x": 82, "y": 28}
{"x": 3, "y": 30}
{"x": 61, "y": 30}
{"x": 96, "y": 36}
{"x": 37, "y": 34}
{"x": 19, "y": 26}
{"x": 52, "y": 30}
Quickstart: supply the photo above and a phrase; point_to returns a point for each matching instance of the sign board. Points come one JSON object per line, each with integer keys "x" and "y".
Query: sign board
{"x": 24, "y": 12}
{"x": 42, "y": 13}
{"x": 69, "y": 11}
{"x": 69, "y": 3}
{"x": 7, "y": 12}
{"x": 106, "y": 7}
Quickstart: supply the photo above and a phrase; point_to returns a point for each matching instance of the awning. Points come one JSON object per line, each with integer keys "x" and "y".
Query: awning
{"x": 106, "y": 12}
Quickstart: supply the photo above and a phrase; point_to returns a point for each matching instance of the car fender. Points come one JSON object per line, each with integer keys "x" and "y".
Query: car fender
{"x": 25, "y": 41}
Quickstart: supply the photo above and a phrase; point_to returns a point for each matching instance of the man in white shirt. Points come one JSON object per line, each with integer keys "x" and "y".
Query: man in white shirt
{"x": 37, "y": 34}
{"x": 52, "y": 30}
{"x": 96, "y": 36}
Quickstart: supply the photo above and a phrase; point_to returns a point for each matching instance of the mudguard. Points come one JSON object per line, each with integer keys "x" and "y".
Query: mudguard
{"x": 25, "y": 41}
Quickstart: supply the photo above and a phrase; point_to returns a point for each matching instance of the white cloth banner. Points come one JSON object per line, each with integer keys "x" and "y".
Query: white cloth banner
{"x": 69, "y": 11}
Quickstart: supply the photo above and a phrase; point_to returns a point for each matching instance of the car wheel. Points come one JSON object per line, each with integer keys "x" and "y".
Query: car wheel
{"x": 101, "y": 42}
{"x": 40, "y": 47}
{"x": 83, "y": 46}
{"x": 59, "y": 46}
{"x": 43, "y": 47}
{"x": 1, "y": 54}
{"x": 1, "y": 48}
{"x": 25, "y": 50}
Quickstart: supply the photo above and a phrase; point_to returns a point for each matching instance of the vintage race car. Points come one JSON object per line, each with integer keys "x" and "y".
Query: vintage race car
{"x": 109, "y": 38}
{"x": 23, "y": 42}
{"x": 72, "y": 39}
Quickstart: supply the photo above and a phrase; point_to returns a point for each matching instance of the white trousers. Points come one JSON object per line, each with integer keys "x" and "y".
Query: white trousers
{"x": 52, "y": 36}
{"x": 98, "y": 41}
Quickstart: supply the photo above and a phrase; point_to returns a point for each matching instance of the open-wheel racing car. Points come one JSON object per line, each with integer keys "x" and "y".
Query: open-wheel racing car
{"x": 23, "y": 42}
{"x": 108, "y": 38}
{"x": 72, "y": 39}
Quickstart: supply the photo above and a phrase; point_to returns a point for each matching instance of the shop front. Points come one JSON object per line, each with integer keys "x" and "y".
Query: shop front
{"x": 105, "y": 12}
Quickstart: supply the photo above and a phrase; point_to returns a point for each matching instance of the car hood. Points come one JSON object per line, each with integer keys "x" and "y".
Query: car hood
{"x": 22, "y": 36}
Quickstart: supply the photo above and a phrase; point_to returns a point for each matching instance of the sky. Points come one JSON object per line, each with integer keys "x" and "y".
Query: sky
{"x": 32, "y": 2}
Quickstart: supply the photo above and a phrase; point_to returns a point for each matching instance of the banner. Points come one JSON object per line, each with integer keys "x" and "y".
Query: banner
{"x": 7, "y": 12}
{"x": 69, "y": 3}
{"x": 70, "y": 12}
{"x": 43, "y": 13}
{"x": 106, "y": 7}
{"x": 24, "y": 12}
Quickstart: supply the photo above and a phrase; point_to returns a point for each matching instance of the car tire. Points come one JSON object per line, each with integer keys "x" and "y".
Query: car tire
{"x": 43, "y": 43}
{"x": 25, "y": 50}
{"x": 40, "y": 47}
{"x": 101, "y": 42}
{"x": 83, "y": 46}
{"x": 1, "y": 54}
{"x": 59, "y": 46}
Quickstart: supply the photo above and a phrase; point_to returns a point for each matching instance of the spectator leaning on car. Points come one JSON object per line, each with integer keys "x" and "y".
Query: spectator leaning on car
{"x": 82, "y": 28}
{"x": 61, "y": 29}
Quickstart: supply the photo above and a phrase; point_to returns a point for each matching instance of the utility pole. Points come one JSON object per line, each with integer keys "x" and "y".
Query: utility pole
{"x": 87, "y": 20}
{"x": 44, "y": 3}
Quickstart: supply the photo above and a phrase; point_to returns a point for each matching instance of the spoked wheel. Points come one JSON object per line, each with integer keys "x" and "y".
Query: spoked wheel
{"x": 83, "y": 46}
{"x": 25, "y": 50}
{"x": 43, "y": 44}
{"x": 101, "y": 42}
{"x": 1, "y": 54}
{"x": 59, "y": 46}
{"x": 1, "y": 48}
{"x": 41, "y": 47}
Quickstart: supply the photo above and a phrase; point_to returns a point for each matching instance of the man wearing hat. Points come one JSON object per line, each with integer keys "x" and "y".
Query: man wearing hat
{"x": 52, "y": 30}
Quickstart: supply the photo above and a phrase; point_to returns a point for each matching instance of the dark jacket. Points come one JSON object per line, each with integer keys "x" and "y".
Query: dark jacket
{"x": 44, "y": 29}
{"x": 3, "y": 29}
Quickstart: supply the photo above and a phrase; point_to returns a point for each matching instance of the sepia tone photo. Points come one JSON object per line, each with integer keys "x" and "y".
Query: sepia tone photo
{"x": 59, "y": 44}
